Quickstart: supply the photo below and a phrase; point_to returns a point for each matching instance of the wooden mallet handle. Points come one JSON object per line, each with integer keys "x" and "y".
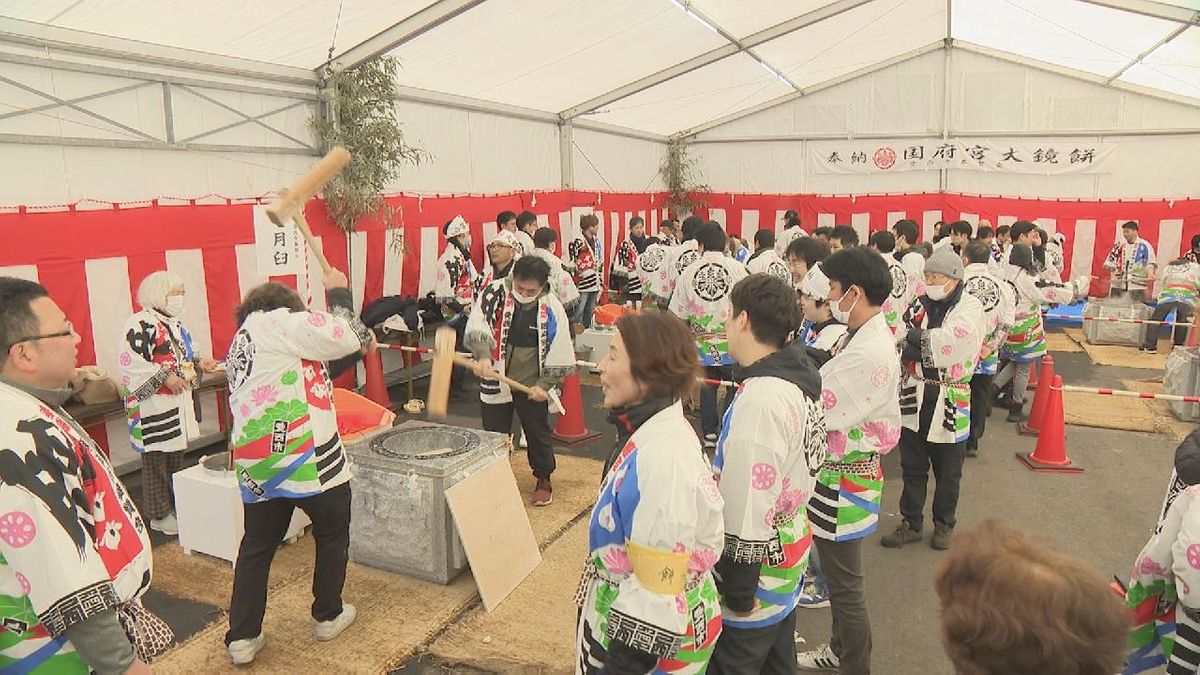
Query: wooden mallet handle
{"x": 309, "y": 185}
{"x": 512, "y": 384}
{"x": 302, "y": 225}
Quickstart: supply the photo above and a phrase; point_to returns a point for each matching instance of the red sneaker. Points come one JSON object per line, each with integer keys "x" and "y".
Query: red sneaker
{"x": 543, "y": 494}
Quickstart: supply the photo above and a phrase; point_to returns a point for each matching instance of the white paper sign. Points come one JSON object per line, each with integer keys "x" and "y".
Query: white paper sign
{"x": 279, "y": 250}
{"x": 1047, "y": 158}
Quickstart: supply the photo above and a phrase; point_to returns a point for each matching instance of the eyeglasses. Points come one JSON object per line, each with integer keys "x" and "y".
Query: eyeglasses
{"x": 70, "y": 330}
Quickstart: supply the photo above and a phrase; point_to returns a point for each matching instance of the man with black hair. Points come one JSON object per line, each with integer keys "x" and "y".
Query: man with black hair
{"x": 776, "y": 428}
{"x": 518, "y": 329}
{"x": 822, "y": 233}
{"x": 624, "y": 277}
{"x": 668, "y": 232}
{"x": 960, "y": 234}
{"x": 802, "y": 255}
{"x": 1020, "y": 232}
{"x": 912, "y": 260}
{"x": 527, "y": 226}
{"x": 455, "y": 285}
{"x": 862, "y": 418}
{"x": 701, "y": 299}
{"x": 842, "y": 236}
{"x": 586, "y": 253}
{"x": 765, "y": 259}
{"x": 985, "y": 234}
{"x": 999, "y": 302}
{"x": 76, "y": 555}
{"x": 791, "y": 232}
{"x": 1132, "y": 264}
{"x": 562, "y": 285}
{"x": 675, "y": 259}
{"x": 899, "y": 299}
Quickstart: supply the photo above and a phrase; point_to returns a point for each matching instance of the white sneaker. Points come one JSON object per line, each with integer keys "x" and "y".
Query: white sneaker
{"x": 327, "y": 630}
{"x": 167, "y": 525}
{"x": 811, "y": 598}
{"x": 242, "y": 652}
{"x": 821, "y": 658}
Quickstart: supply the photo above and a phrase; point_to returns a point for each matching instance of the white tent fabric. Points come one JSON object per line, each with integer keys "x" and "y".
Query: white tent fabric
{"x": 555, "y": 56}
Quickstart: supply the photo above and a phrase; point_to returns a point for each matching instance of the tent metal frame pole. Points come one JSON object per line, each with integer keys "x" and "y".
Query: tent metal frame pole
{"x": 566, "y": 154}
{"x": 1138, "y": 59}
{"x": 947, "y": 111}
{"x": 1157, "y": 10}
{"x": 712, "y": 56}
{"x": 130, "y": 144}
{"x": 401, "y": 32}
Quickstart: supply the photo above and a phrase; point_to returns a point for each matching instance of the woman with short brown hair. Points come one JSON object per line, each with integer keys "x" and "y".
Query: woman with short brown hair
{"x": 1011, "y": 605}
{"x": 647, "y": 598}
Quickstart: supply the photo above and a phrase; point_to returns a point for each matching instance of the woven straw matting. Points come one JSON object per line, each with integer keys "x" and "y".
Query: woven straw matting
{"x": 396, "y": 614}
{"x": 1166, "y": 420}
{"x": 1108, "y": 412}
{"x": 1127, "y": 357}
{"x": 1061, "y": 342}
{"x": 533, "y": 631}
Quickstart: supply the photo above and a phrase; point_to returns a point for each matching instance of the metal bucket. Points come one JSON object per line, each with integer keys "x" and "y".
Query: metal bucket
{"x": 217, "y": 465}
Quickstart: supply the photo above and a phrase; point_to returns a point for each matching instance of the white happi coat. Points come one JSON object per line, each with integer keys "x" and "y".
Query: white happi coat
{"x": 152, "y": 347}
{"x": 679, "y": 257}
{"x": 769, "y": 262}
{"x": 786, "y": 237}
{"x": 72, "y": 544}
{"x": 899, "y": 297}
{"x": 487, "y": 334}
{"x": 949, "y": 355}
{"x": 562, "y": 285}
{"x": 525, "y": 245}
{"x": 655, "y": 533}
{"x": 701, "y": 299}
{"x": 999, "y": 302}
{"x": 649, "y": 263}
{"x": 457, "y": 278}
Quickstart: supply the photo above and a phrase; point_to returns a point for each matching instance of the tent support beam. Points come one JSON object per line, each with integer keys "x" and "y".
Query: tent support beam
{"x": 44, "y": 36}
{"x": 131, "y": 144}
{"x": 712, "y": 56}
{"x": 397, "y": 34}
{"x": 1158, "y": 10}
{"x": 1138, "y": 59}
{"x": 566, "y": 154}
{"x": 788, "y": 98}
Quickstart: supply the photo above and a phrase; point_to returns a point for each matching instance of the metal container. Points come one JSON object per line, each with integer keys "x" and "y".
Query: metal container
{"x": 1106, "y": 333}
{"x": 1181, "y": 377}
{"x": 400, "y": 521}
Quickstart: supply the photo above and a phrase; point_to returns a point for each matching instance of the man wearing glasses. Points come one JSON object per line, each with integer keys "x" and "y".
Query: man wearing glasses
{"x": 75, "y": 552}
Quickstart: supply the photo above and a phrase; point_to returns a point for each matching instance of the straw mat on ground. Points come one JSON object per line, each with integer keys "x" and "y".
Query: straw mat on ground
{"x": 1061, "y": 342}
{"x": 1127, "y": 357}
{"x": 396, "y": 614}
{"x": 202, "y": 578}
{"x": 1108, "y": 412}
{"x": 533, "y": 631}
{"x": 1167, "y": 422}
{"x": 1075, "y": 334}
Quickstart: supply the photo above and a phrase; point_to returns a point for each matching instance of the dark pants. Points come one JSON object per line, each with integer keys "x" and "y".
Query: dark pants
{"x": 586, "y": 308}
{"x": 1183, "y": 314}
{"x": 770, "y": 650}
{"x": 842, "y": 563}
{"x": 981, "y": 407}
{"x": 710, "y": 417}
{"x": 917, "y": 455}
{"x": 158, "y": 491}
{"x": 266, "y": 524}
{"x": 535, "y": 421}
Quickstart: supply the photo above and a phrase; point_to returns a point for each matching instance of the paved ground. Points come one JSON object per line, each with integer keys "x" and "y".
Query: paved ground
{"x": 1103, "y": 515}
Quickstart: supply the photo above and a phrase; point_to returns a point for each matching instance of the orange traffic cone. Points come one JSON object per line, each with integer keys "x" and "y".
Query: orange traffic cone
{"x": 571, "y": 429}
{"x": 376, "y": 388}
{"x": 1038, "y": 408}
{"x": 1050, "y": 454}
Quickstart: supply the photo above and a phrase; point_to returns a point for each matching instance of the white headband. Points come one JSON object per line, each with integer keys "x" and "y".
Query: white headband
{"x": 457, "y": 226}
{"x": 815, "y": 284}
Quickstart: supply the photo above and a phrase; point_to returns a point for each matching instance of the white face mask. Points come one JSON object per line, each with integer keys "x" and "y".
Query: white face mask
{"x": 524, "y": 299}
{"x": 175, "y": 305}
{"x": 839, "y": 315}
{"x": 936, "y": 293}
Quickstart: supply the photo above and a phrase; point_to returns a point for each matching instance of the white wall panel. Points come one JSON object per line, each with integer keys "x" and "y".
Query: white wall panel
{"x": 607, "y": 162}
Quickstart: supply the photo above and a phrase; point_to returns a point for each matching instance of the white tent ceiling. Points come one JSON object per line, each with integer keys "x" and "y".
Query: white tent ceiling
{"x": 657, "y": 66}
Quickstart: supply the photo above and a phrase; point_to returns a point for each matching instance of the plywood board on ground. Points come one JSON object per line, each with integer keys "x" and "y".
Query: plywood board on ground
{"x": 494, "y": 530}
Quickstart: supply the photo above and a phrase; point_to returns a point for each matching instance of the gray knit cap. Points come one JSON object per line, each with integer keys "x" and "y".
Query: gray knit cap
{"x": 945, "y": 261}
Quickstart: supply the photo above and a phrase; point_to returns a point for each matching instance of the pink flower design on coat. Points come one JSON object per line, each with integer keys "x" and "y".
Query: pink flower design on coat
{"x": 960, "y": 332}
{"x": 956, "y": 371}
{"x": 679, "y": 547}
{"x": 25, "y": 586}
{"x": 17, "y": 529}
{"x": 769, "y": 519}
{"x": 317, "y": 319}
{"x": 828, "y": 399}
{"x": 245, "y": 410}
{"x": 263, "y": 395}
{"x": 680, "y": 604}
{"x": 837, "y": 444}
{"x": 702, "y": 560}
{"x": 338, "y": 332}
{"x": 1150, "y": 567}
{"x": 947, "y": 350}
{"x": 125, "y": 359}
{"x": 879, "y": 376}
{"x": 1183, "y": 586}
{"x": 617, "y": 561}
{"x": 1193, "y": 556}
{"x": 881, "y": 434}
{"x": 763, "y": 476}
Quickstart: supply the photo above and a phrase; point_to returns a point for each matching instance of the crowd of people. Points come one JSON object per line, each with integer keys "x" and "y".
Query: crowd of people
{"x": 702, "y": 547}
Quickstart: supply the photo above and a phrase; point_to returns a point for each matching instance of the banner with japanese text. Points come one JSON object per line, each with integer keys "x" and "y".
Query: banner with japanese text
{"x": 1045, "y": 158}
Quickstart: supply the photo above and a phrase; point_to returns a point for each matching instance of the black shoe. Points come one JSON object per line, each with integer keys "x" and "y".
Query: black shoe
{"x": 1017, "y": 415}
{"x": 971, "y": 452}
{"x": 902, "y": 535}
{"x": 941, "y": 536}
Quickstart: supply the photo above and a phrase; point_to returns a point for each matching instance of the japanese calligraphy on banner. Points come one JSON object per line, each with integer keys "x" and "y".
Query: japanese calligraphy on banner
{"x": 1048, "y": 158}
{"x": 278, "y": 249}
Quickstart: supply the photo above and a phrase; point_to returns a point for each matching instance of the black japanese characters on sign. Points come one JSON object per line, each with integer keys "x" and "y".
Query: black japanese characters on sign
{"x": 947, "y": 154}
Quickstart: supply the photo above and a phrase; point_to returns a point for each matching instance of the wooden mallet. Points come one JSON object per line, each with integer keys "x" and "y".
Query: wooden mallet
{"x": 444, "y": 360}
{"x": 291, "y": 202}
